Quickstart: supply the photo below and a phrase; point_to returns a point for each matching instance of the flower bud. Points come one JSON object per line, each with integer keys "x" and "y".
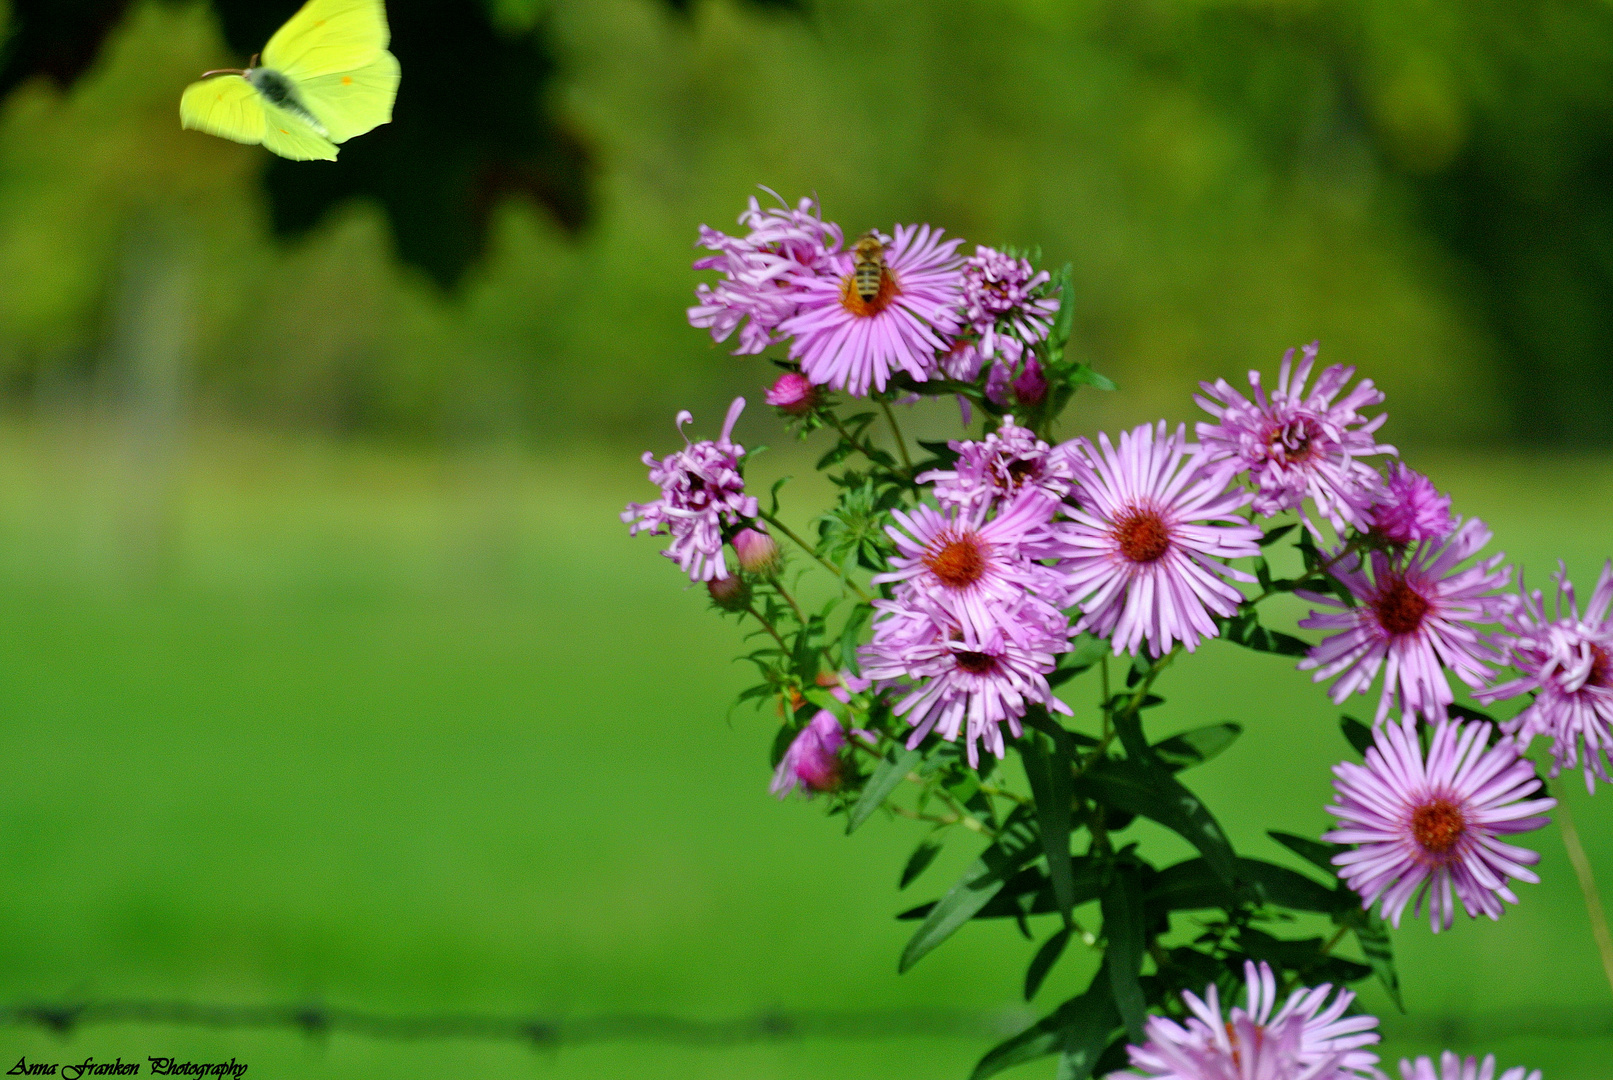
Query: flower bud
{"x": 757, "y": 551}
{"x": 794, "y": 393}
{"x": 729, "y": 593}
{"x": 812, "y": 761}
{"x": 1031, "y": 386}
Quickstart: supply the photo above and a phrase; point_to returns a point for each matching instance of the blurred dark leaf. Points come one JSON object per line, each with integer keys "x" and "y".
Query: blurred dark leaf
{"x": 1015, "y": 844}
{"x": 1155, "y": 794}
{"x": 1043, "y": 961}
{"x": 1356, "y": 733}
{"x": 58, "y": 39}
{"x": 1316, "y": 852}
{"x": 891, "y": 772}
{"x": 1126, "y": 940}
{"x": 1078, "y": 1030}
{"x": 1197, "y": 746}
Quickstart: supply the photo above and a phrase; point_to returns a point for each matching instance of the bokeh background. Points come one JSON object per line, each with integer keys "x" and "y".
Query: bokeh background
{"x": 330, "y": 674}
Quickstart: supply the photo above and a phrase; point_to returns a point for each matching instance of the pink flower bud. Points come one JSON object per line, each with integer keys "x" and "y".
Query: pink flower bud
{"x": 757, "y": 551}
{"x": 794, "y": 393}
{"x": 729, "y": 593}
{"x": 1031, "y": 386}
{"x": 813, "y": 760}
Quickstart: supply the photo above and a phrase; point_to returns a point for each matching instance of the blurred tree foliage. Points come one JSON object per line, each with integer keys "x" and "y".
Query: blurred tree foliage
{"x": 1422, "y": 185}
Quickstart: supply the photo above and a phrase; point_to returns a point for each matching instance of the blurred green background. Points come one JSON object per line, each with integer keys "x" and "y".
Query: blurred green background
{"x": 332, "y": 675}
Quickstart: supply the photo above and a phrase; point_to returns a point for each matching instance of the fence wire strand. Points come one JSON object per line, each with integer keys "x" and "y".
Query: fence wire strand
{"x": 64, "y": 1019}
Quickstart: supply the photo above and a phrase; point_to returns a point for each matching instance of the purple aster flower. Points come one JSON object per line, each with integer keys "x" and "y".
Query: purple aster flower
{"x": 758, "y": 286}
{"x": 701, "y": 491}
{"x": 1296, "y": 444}
{"x": 1309, "y": 1038}
{"x": 1428, "y": 828}
{"x": 998, "y": 467}
{"x": 961, "y": 360}
{"x": 1145, "y": 550}
{"x": 1567, "y": 663}
{"x": 998, "y": 382}
{"x": 793, "y": 393}
{"x": 1452, "y": 1067}
{"x": 1000, "y": 297}
{"x": 852, "y": 343}
{"x": 979, "y": 572}
{"x": 1408, "y": 508}
{"x": 812, "y": 761}
{"x": 961, "y": 677}
{"x": 1415, "y": 618}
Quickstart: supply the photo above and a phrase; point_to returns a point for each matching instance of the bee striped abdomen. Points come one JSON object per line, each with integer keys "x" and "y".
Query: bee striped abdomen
{"x": 870, "y": 287}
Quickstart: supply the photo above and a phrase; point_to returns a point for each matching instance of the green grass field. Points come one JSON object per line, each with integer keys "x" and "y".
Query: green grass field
{"x": 414, "y": 734}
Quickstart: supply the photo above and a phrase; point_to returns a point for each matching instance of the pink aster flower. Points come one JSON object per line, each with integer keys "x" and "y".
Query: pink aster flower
{"x": 961, "y": 360}
{"x": 1408, "y": 508}
{"x": 1146, "y": 549}
{"x": 1430, "y": 827}
{"x": 1567, "y": 663}
{"x": 980, "y": 573}
{"x": 852, "y": 343}
{"x": 1415, "y": 619}
{"x": 812, "y": 761}
{"x": 701, "y": 491}
{"x": 998, "y": 467}
{"x": 955, "y": 678}
{"x": 1001, "y": 297}
{"x": 1309, "y": 1038}
{"x": 1296, "y": 444}
{"x": 1452, "y": 1067}
{"x": 759, "y": 270}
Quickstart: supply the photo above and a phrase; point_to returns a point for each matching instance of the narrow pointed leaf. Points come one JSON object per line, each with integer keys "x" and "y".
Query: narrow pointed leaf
{"x": 1356, "y": 733}
{"x": 1123, "y": 957}
{"x": 1373, "y": 937}
{"x": 1197, "y": 746}
{"x": 920, "y": 860}
{"x": 1016, "y": 844}
{"x": 1316, "y": 852}
{"x": 1078, "y": 1030}
{"x": 1051, "y": 786}
{"x": 891, "y": 772}
{"x": 1157, "y": 795}
{"x": 1043, "y": 961}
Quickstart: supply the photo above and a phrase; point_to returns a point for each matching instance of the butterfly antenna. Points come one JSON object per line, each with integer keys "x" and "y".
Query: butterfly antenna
{"x": 224, "y": 71}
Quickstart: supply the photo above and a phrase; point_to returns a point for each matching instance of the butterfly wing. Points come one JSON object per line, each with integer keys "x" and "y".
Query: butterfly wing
{"x": 328, "y": 37}
{"x": 290, "y": 136}
{"x": 350, "y": 103}
{"x": 225, "y": 105}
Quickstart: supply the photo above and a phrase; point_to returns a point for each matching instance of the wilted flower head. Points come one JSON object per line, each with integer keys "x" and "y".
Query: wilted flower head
{"x": 794, "y": 393}
{"x": 1301, "y": 1041}
{"x": 1408, "y": 508}
{"x": 1567, "y": 663}
{"x": 1145, "y": 550}
{"x": 1000, "y": 294}
{"x": 1295, "y": 444}
{"x": 1429, "y": 827}
{"x": 759, "y": 270}
{"x": 854, "y": 331}
{"x": 998, "y": 467}
{"x": 1452, "y": 1067}
{"x": 701, "y": 491}
{"x": 729, "y": 593}
{"x": 1416, "y": 619}
{"x": 812, "y": 761}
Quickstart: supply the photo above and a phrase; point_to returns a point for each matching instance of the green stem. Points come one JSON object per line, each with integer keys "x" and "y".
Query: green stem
{"x": 768, "y": 627}
{"x": 825, "y": 563}
{"x": 782, "y": 591}
{"x": 1587, "y": 883}
{"x": 896, "y": 431}
{"x": 865, "y": 449}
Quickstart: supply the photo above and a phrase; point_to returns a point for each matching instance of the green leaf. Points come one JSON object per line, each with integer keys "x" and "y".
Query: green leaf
{"x": 1245, "y": 630}
{"x": 1123, "y": 916}
{"x": 826, "y": 701}
{"x": 1468, "y": 712}
{"x": 1271, "y": 536}
{"x": 1316, "y": 852}
{"x": 920, "y": 860}
{"x": 1356, "y": 733}
{"x": 1197, "y": 746}
{"x": 1087, "y": 652}
{"x": 1043, "y": 961}
{"x": 1016, "y": 844}
{"x": 891, "y": 772}
{"x": 1076, "y": 1030}
{"x": 1372, "y": 934}
{"x": 1052, "y": 787}
{"x": 1084, "y": 374}
{"x": 1154, "y": 793}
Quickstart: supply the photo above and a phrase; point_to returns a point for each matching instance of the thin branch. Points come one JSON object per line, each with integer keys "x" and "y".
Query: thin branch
{"x": 768, "y": 627}
{"x": 825, "y": 563}
{"x": 901, "y": 443}
{"x": 1587, "y": 883}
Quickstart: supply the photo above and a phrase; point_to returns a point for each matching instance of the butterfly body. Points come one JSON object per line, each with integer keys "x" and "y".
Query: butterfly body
{"x": 326, "y": 76}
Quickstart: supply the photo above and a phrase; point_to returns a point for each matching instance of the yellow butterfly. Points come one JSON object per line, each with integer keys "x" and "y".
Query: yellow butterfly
{"x": 326, "y": 76}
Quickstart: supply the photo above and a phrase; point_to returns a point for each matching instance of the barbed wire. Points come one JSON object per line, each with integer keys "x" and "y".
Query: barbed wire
{"x": 773, "y": 1026}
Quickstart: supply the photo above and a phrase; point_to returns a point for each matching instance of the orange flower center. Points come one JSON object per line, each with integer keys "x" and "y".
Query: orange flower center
{"x": 852, "y": 300}
{"x": 1437, "y": 826}
{"x": 1399, "y": 608}
{"x": 1142, "y": 536}
{"x": 958, "y": 560}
